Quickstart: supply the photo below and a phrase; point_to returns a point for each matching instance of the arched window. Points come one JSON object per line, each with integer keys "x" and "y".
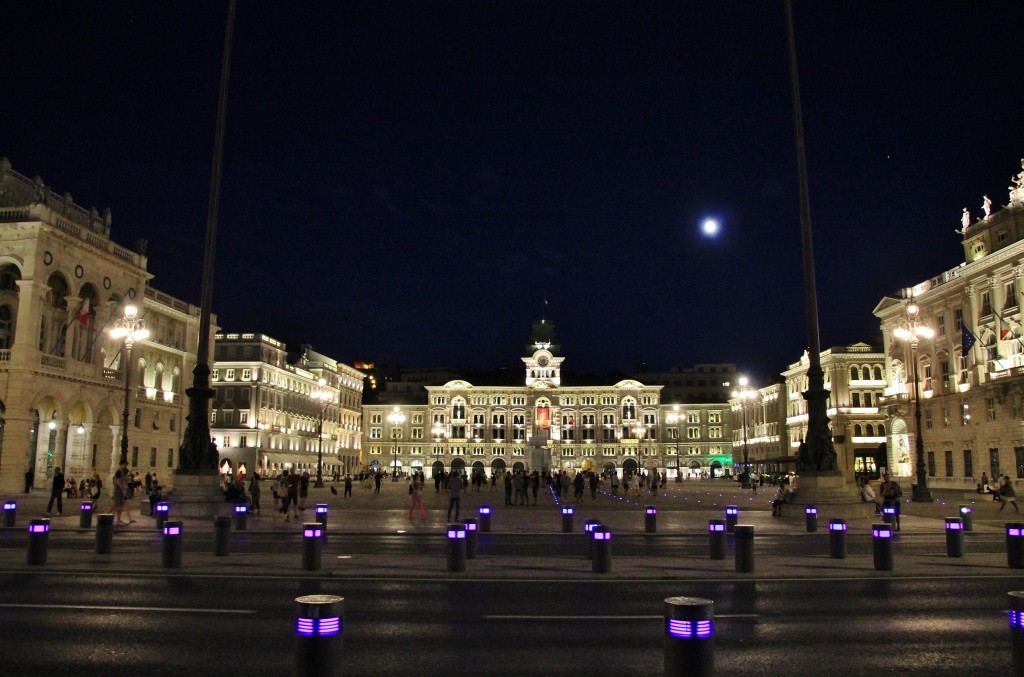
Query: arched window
{"x": 878, "y": 374}
{"x": 881, "y": 430}
{"x": 628, "y": 410}
{"x": 857, "y": 431}
{"x": 870, "y": 430}
{"x": 854, "y": 373}
{"x": 458, "y": 409}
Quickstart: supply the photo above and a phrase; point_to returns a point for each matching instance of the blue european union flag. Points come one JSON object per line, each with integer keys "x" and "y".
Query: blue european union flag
{"x": 968, "y": 338}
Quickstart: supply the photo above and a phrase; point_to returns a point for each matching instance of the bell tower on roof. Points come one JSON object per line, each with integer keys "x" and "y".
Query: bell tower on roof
{"x": 544, "y": 364}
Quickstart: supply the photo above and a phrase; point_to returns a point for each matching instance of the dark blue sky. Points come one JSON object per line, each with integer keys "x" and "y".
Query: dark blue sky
{"x": 407, "y": 181}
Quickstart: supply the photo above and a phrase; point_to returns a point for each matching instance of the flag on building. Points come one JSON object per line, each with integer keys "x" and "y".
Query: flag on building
{"x": 968, "y": 338}
{"x": 83, "y": 314}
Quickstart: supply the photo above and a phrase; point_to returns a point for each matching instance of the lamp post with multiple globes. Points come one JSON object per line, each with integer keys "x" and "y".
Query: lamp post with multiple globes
{"x": 395, "y": 418}
{"x": 744, "y": 393}
{"x": 326, "y": 397}
{"x": 910, "y": 330}
{"x": 130, "y": 328}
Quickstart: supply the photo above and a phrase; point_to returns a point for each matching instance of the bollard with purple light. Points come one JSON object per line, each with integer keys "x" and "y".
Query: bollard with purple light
{"x": 319, "y": 622}
{"x": 732, "y": 515}
{"x": 241, "y": 513}
{"x": 889, "y": 514}
{"x": 567, "y": 512}
{"x": 456, "y": 548}
{"x": 10, "y": 513}
{"x": 312, "y": 545}
{"x": 967, "y": 516}
{"x": 602, "y": 562}
{"x": 689, "y": 637}
{"x": 716, "y": 538}
{"x": 485, "y": 519}
{"x": 162, "y": 512}
{"x": 1016, "y": 614}
{"x": 881, "y": 545}
{"x": 954, "y": 537}
{"x": 471, "y": 539}
{"x": 38, "y": 532}
{"x": 1015, "y": 545}
{"x": 588, "y": 535}
{"x": 811, "y": 518}
{"x": 837, "y": 539}
{"x": 85, "y": 514}
{"x": 171, "y": 554}
{"x": 650, "y": 519}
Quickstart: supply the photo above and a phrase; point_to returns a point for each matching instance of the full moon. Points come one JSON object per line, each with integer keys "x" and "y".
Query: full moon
{"x": 710, "y": 227}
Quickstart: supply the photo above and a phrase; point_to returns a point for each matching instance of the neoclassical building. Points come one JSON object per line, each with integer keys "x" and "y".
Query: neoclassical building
{"x": 546, "y": 424}
{"x": 273, "y": 414}
{"x": 970, "y": 372}
{"x": 63, "y": 285}
{"x": 855, "y": 380}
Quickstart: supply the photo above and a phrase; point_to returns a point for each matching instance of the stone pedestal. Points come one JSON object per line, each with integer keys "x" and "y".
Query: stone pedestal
{"x": 197, "y": 496}
{"x": 833, "y": 495}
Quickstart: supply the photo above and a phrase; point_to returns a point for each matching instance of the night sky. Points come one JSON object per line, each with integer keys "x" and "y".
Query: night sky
{"x": 407, "y": 182}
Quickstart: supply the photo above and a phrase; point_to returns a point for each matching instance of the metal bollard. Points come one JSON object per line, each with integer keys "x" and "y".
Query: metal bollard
{"x": 172, "y": 544}
{"x": 744, "y": 548}
{"x": 811, "y": 518}
{"x": 567, "y": 519}
{"x": 85, "y": 515}
{"x": 221, "y": 535}
{"x": 241, "y": 513}
{"x": 456, "y": 547}
{"x": 967, "y": 516}
{"x": 716, "y": 538}
{"x": 650, "y": 520}
{"x": 1015, "y": 545}
{"x": 954, "y": 537}
{"x": 1016, "y": 604}
{"x": 162, "y": 512}
{"x": 471, "y": 539}
{"x": 689, "y": 637}
{"x": 732, "y": 515}
{"x": 312, "y": 546}
{"x": 38, "y": 533}
{"x": 321, "y": 515}
{"x": 104, "y": 534}
{"x": 588, "y": 535}
{"x": 881, "y": 537}
{"x": 485, "y": 519}
{"x": 602, "y": 562}
{"x": 319, "y": 621}
{"x": 889, "y": 514}
{"x": 837, "y": 539}
{"x": 10, "y": 513}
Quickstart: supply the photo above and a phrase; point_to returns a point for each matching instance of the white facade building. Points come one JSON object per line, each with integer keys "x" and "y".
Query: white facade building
{"x": 63, "y": 284}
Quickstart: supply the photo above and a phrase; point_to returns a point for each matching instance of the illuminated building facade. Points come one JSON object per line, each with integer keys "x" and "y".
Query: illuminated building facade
{"x": 273, "y": 414}
{"x": 63, "y": 285}
{"x": 546, "y": 424}
{"x": 971, "y": 372}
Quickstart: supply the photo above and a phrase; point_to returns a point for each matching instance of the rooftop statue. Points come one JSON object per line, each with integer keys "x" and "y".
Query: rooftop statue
{"x": 1017, "y": 189}
{"x": 986, "y": 206}
{"x": 965, "y": 219}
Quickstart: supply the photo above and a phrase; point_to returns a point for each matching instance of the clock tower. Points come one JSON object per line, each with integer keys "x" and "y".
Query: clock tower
{"x": 544, "y": 364}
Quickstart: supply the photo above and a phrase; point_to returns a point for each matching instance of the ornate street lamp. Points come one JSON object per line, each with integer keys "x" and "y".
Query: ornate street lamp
{"x": 130, "y": 328}
{"x": 673, "y": 418}
{"x": 395, "y": 418}
{"x": 911, "y": 329}
{"x": 326, "y": 397}
{"x": 744, "y": 393}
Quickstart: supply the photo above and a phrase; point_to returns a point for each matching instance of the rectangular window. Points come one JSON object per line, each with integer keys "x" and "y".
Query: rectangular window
{"x": 1010, "y": 295}
{"x": 519, "y": 434}
{"x": 243, "y": 417}
{"x": 965, "y": 414}
{"x": 1018, "y": 458}
{"x": 135, "y": 457}
{"x": 374, "y": 433}
{"x": 152, "y": 457}
{"x": 693, "y": 433}
{"x": 417, "y": 419}
{"x": 949, "y": 462}
{"x": 173, "y": 423}
{"x": 138, "y": 418}
{"x": 993, "y": 462}
{"x": 170, "y": 457}
{"x": 417, "y": 434}
{"x": 714, "y": 432}
{"x": 243, "y": 441}
{"x": 944, "y": 369}
{"x": 608, "y": 434}
{"x": 931, "y": 463}
{"x": 229, "y": 374}
{"x": 215, "y": 375}
{"x": 990, "y": 408}
{"x": 968, "y": 463}
{"x": 945, "y": 417}
{"x": 1017, "y": 406}
{"x": 229, "y": 394}
{"x": 928, "y": 418}
{"x": 227, "y": 441}
{"x": 693, "y": 417}
{"x": 958, "y": 318}
{"x": 375, "y": 418}
{"x": 940, "y": 322}
{"x": 247, "y": 374}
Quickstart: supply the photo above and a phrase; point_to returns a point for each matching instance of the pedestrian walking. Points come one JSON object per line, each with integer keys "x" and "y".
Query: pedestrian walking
{"x": 1007, "y": 493}
{"x": 535, "y": 485}
{"x": 593, "y": 486}
{"x": 615, "y": 483}
{"x": 378, "y": 477}
{"x": 508, "y": 489}
{"x": 348, "y": 486}
{"x": 56, "y": 493}
{"x": 891, "y": 493}
{"x": 254, "y": 493}
{"x": 455, "y": 494}
{"x": 416, "y": 498}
